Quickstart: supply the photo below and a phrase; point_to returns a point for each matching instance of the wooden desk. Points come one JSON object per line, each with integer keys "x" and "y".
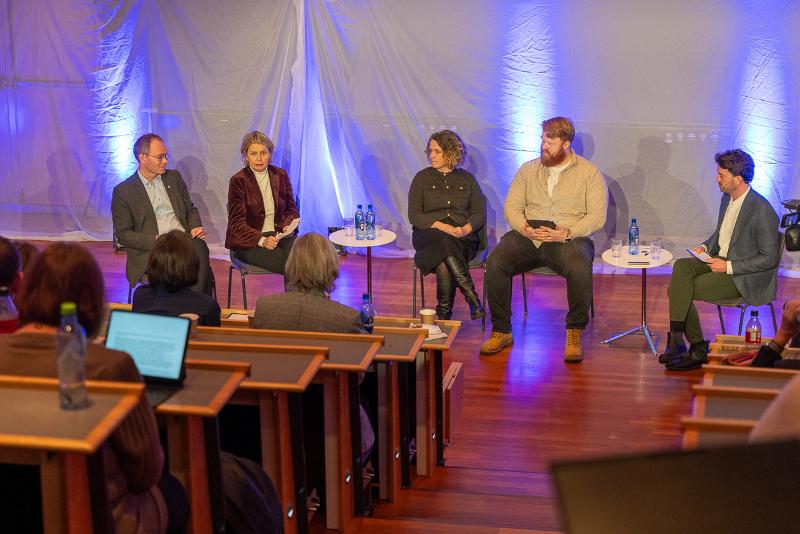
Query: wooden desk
{"x": 352, "y": 352}
{"x": 348, "y": 355}
{"x": 430, "y": 415}
{"x": 277, "y": 376}
{"x": 748, "y": 377}
{"x": 66, "y": 444}
{"x": 193, "y": 437}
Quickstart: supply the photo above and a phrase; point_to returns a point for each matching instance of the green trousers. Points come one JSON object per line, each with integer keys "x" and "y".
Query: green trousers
{"x": 693, "y": 280}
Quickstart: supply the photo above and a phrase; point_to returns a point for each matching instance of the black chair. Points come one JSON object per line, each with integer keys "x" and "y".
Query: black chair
{"x": 244, "y": 269}
{"x": 547, "y": 271}
{"x": 478, "y": 262}
{"x": 742, "y": 304}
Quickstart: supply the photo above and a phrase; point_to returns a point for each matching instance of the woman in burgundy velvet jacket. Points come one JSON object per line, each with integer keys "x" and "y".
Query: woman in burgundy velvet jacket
{"x": 260, "y": 205}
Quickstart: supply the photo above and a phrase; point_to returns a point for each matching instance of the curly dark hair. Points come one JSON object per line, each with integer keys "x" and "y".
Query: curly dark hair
{"x": 453, "y": 148}
{"x": 737, "y": 162}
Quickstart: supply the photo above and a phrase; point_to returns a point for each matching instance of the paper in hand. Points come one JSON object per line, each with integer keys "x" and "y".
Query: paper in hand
{"x": 290, "y": 229}
{"x": 702, "y": 256}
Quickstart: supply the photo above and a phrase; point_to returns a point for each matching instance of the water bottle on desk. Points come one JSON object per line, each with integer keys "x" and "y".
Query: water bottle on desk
{"x": 633, "y": 238}
{"x": 370, "y": 223}
{"x": 359, "y": 222}
{"x": 71, "y": 360}
{"x": 9, "y": 319}
{"x": 753, "y": 330}
{"x": 367, "y": 314}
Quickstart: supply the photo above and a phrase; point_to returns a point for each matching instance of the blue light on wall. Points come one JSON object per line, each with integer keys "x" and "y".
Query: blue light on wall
{"x": 528, "y": 79}
{"x": 765, "y": 122}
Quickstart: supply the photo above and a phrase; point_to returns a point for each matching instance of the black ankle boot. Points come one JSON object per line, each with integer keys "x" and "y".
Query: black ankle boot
{"x": 675, "y": 347}
{"x": 694, "y": 358}
{"x": 465, "y": 284}
{"x": 445, "y": 294}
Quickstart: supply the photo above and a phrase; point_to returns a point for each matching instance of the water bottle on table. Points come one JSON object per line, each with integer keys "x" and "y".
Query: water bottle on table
{"x": 753, "y": 330}
{"x": 633, "y": 238}
{"x": 367, "y": 314}
{"x": 71, "y": 360}
{"x": 9, "y": 319}
{"x": 370, "y": 223}
{"x": 360, "y": 225}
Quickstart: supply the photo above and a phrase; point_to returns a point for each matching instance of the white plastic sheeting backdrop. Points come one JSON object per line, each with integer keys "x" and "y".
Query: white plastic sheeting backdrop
{"x": 350, "y": 91}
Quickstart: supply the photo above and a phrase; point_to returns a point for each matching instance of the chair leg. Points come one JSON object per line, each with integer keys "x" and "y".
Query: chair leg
{"x": 591, "y": 305}
{"x": 774, "y": 323}
{"x": 742, "y": 309}
{"x": 721, "y": 321}
{"x": 230, "y": 283}
{"x": 130, "y": 293}
{"x": 483, "y": 319}
{"x": 414, "y": 291}
{"x": 524, "y": 295}
{"x": 422, "y": 289}
{"x": 244, "y": 290}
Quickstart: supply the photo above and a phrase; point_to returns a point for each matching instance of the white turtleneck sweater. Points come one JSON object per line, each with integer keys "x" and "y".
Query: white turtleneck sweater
{"x": 269, "y": 202}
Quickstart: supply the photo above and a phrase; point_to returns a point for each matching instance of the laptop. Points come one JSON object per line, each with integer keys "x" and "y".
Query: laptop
{"x": 741, "y": 489}
{"x": 157, "y": 344}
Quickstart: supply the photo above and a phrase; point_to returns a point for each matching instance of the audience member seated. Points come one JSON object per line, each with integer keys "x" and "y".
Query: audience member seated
{"x": 171, "y": 272}
{"x": 260, "y": 204}
{"x": 10, "y": 266}
{"x": 143, "y": 498}
{"x": 311, "y": 270}
{"x": 27, "y": 253}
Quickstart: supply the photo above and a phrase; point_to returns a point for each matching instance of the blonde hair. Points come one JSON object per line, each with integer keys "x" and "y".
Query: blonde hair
{"x": 312, "y": 264}
{"x": 251, "y": 138}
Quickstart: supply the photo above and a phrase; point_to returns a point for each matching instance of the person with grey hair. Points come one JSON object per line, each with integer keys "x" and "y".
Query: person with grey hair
{"x": 311, "y": 271}
{"x": 260, "y": 204}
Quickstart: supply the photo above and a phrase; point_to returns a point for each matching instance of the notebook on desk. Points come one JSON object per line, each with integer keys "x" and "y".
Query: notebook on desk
{"x": 741, "y": 489}
{"x": 157, "y": 344}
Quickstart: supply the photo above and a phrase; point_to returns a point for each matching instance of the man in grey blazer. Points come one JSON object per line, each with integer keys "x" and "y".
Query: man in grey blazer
{"x": 744, "y": 250}
{"x": 152, "y": 202}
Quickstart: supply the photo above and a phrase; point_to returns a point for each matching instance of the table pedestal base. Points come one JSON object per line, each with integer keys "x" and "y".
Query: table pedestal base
{"x": 643, "y": 327}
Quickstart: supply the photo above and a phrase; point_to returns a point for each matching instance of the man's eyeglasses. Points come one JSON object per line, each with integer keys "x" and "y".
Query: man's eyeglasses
{"x": 159, "y": 157}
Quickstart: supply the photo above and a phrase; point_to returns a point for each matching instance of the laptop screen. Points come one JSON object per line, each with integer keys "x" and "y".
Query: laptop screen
{"x": 157, "y": 343}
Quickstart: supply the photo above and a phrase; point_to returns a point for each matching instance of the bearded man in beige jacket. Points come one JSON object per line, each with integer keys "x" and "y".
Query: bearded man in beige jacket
{"x": 555, "y": 203}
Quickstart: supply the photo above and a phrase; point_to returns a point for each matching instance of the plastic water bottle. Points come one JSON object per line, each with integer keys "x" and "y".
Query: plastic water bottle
{"x": 370, "y": 223}
{"x": 367, "y": 313}
{"x": 753, "y": 332}
{"x": 359, "y": 223}
{"x": 9, "y": 319}
{"x": 71, "y": 360}
{"x": 633, "y": 238}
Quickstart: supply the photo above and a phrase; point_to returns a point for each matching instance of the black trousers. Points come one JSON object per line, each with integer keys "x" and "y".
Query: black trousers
{"x": 516, "y": 254}
{"x": 272, "y": 260}
{"x": 204, "y": 270}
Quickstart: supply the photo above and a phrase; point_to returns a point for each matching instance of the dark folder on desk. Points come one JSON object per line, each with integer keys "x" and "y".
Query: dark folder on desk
{"x": 157, "y": 344}
{"x": 744, "y": 489}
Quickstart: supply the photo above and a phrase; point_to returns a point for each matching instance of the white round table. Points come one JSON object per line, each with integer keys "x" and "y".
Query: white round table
{"x": 641, "y": 261}
{"x": 386, "y": 237}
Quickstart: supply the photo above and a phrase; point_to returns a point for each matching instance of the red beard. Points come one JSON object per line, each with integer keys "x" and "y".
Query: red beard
{"x": 555, "y": 160}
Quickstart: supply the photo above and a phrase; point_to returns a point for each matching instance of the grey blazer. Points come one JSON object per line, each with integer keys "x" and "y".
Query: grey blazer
{"x": 135, "y": 222}
{"x": 294, "y": 310}
{"x": 754, "y": 251}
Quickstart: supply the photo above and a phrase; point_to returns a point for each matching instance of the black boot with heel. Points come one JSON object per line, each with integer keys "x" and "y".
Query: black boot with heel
{"x": 465, "y": 284}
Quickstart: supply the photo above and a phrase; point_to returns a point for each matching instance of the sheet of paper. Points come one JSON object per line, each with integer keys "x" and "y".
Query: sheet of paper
{"x": 292, "y": 227}
{"x": 702, "y": 256}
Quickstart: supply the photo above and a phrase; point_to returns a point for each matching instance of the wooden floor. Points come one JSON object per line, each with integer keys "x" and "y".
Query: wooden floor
{"x": 523, "y": 408}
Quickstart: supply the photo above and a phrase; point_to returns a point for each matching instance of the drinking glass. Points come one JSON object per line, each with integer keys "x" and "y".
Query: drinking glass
{"x": 378, "y": 227}
{"x": 655, "y": 249}
{"x": 349, "y": 227}
{"x": 616, "y": 247}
